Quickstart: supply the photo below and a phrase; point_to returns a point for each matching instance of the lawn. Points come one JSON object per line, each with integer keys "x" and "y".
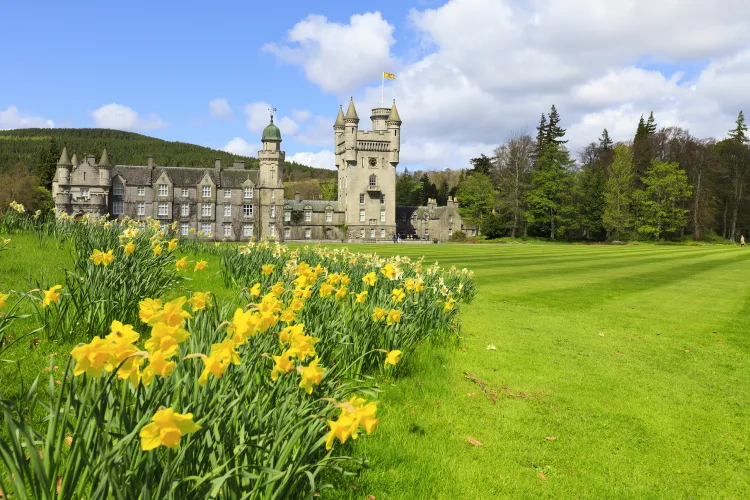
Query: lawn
{"x": 618, "y": 371}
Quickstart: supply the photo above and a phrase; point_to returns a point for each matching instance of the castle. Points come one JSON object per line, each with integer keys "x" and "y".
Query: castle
{"x": 235, "y": 203}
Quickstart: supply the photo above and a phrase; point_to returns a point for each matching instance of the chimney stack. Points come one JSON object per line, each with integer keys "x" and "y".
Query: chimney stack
{"x": 297, "y": 197}
{"x": 150, "y": 161}
{"x": 217, "y": 165}
{"x": 238, "y": 164}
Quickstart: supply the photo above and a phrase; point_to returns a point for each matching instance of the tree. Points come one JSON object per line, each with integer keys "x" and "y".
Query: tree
{"x": 666, "y": 188}
{"x": 617, "y": 218}
{"x": 512, "y": 177}
{"x": 643, "y": 147}
{"x": 329, "y": 190}
{"x": 591, "y": 186}
{"x": 443, "y": 193}
{"x": 605, "y": 143}
{"x": 738, "y": 133}
{"x": 45, "y": 163}
{"x": 477, "y": 196}
{"x": 548, "y": 200}
{"x": 429, "y": 190}
{"x": 541, "y": 132}
{"x": 17, "y": 184}
{"x": 481, "y": 165}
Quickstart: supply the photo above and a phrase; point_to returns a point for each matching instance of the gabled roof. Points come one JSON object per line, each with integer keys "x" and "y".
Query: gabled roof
{"x": 184, "y": 176}
{"x": 317, "y": 205}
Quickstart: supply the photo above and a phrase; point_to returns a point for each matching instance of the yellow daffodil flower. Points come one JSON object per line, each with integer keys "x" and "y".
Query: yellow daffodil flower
{"x": 199, "y": 300}
{"x": 200, "y": 265}
{"x": 51, "y": 295}
{"x": 398, "y": 295}
{"x": 166, "y": 428}
{"x": 361, "y": 297}
{"x": 394, "y": 316}
{"x": 392, "y": 358}
{"x": 378, "y": 314}
{"x": 181, "y": 264}
{"x": 370, "y": 278}
{"x": 129, "y": 248}
{"x": 267, "y": 269}
{"x": 311, "y": 375}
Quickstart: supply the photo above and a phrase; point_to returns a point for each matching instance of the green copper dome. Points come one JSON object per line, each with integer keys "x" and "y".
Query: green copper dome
{"x": 271, "y": 133}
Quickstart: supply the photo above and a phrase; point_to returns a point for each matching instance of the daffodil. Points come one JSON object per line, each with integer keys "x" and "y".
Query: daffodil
{"x": 222, "y": 354}
{"x": 378, "y": 314}
{"x": 398, "y": 295}
{"x": 157, "y": 250}
{"x": 200, "y": 265}
{"x": 181, "y": 264}
{"x": 51, "y": 295}
{"x": 370, "y": 278}
{"x": 108, "y": 258}
{"x": 92, "y": 357}
{"x": 172, "y": 244}
{"x": 341, "y": 293}
{"x": 148, "y": 309}
{"x": 3, "y": 298}
{"x": 311, "y": 375}
{"x": 326, "y": 289}
{"x": 97, "y": 256}
{"x": 166, "y": 428}
{"x": 449, "y": 304}
{"x": 394, "y": 316}
{"x": 283, "y": 364}
{"x": 388, "y": 271}
{"x": 199, "y": 300}
{"x": 129, "y": 248}
{"x": 392, "y": 358}
{"x": 360, "y": 297}
{"x": 267, "y": 269}
{"x": 254, "y": 291}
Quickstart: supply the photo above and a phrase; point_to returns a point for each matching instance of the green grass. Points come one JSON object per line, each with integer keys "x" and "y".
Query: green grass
{"x": 613, "y": 351}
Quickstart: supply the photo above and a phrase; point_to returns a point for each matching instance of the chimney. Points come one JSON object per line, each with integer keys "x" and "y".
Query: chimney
{"x": 150, "y": 161}
{"x": 217, "y": 165}
{"x": 431, "y": 203}
{"x": 297, "y": 197}
{"x": 238, "y": 164}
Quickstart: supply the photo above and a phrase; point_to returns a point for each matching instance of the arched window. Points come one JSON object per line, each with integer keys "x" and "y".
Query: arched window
{"x": 373, "y": 180}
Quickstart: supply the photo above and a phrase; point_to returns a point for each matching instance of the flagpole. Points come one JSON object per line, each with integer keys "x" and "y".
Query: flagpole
{"x": 382, "y": 90}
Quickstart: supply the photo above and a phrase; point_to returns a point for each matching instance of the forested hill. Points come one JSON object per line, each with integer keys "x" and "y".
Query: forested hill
{"x": 39, "y": 150}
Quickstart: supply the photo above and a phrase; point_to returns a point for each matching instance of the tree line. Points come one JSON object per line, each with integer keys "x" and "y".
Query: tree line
{"x": 665, "y": 183}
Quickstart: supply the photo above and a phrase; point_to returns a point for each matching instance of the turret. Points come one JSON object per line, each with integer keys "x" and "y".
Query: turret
{"x": 74, "y": 160}
{"x": 105, "y": 175}
{"x": 63, "y": 167}
{"x": 379, "y": 117}
{"x": 271, "y": 157}
{"x": 394, "y": 130}
{"x": 338, "y": 133}
{"x": 351, "y": 122}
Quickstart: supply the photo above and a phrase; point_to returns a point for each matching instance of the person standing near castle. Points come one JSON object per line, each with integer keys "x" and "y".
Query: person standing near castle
{"x": 742, "y": 240}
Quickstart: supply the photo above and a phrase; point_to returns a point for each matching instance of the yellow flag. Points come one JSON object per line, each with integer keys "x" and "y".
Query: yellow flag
{"x": 390, "y": 76}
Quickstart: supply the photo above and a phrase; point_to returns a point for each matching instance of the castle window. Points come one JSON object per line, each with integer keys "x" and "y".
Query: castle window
{"x": 362, "y": 233}
{"x": 247, "y": 210}
{"x": 373, "y": 222}
{"x": 163, "y": 190}
{"x": 361, "y": 215}
{"x": 272, "y": 230}
{"x": 272, "y": 211}
{"x": 85, "y": 193}
{"x": 184, "y": 229}
{"x": 308, "y": 215}
{"x": 247, "y": 230}
{"x": 287, "y": 232}
{"x": 372, "y": 234}
{"x": 361, "y": 198}
{"x": 163, "y": 208}
{"x": 227, "y": 229}
{"x": 206, "y": 210}
{"x": 382, "y": 215}
{"x": 227, "y": 193}
{"x": 248, "y": 193}
{"x": 227, "y": 210}
{"x": 141, "y": 208}
{"x": 117, "y": 207}
{"x": 426, "y": 217}
{"x": 206, "y": 228}
{"x": 329, "y": 216}
{"x": 426, "y": 233}
{"x": 382, "y": 233}
{"x": 206, "y": 191}
{"x": 118, "y": 189}
{"x": 287, "y": 215}
{"x": 185, "y": 192}
{"x": 141, "y": 191}
{"x": 450, "y": 219}
{"x": 185, "y": 210}
{"x": 273, "y": 195}
{"x": 308, "y": 233}
{"x": 450, "y": 233}
{"x": 382, "y": 199}
{"x": 373, "y": 180}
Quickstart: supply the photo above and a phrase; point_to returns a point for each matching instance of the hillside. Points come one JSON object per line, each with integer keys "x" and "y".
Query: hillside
{"x": 39, "y": 149}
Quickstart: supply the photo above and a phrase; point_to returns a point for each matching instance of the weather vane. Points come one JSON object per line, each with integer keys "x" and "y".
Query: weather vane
{"x": 273, "y": 112}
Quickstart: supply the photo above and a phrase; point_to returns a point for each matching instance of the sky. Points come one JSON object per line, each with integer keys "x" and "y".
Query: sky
{"x": 469, "y": 73}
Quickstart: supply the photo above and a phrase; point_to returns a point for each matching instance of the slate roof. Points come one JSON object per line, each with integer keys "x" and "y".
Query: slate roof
{"x": 184, "y": 176}
{"x": 317, "y": 205}
{"x": 435, "y": 214}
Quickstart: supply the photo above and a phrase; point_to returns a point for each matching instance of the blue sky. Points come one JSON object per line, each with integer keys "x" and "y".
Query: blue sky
{"x": 469, "y": 72}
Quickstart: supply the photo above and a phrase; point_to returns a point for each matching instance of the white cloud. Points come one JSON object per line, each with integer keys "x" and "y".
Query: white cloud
{"x": 338, "y": 57}
{"x": 240, "y": 146}
{"x": 322, "y": 159}
{"x": 220, "y": 109}
{"x": 318, "y": 132}
{"x": 300, "y": 115}
{"x": 596, "y": 61}
{"x": 259, "y": 116}
{"x": 12, "y": 118}
{"x": 121, "y": 117}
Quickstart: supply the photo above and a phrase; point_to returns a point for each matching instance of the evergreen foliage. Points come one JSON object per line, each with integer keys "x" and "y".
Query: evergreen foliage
{"x": 666, "y": 189}
{"x": 617, "y": 218}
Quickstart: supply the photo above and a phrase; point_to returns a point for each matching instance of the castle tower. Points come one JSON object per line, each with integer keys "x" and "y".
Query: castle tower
{"x": 367, "y": 172}
{"x": 105, "y": 174}
{"x": 271, "y": 188}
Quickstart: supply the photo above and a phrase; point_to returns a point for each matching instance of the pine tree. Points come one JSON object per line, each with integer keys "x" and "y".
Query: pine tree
{"x": 737, "y": 134}
{"x": 541, "y": 133}
{"x": 643, "y": 148}
{"x": 554, "y": 132}
{"x": 605, "y": 143}
{"x": 651, "y": 124}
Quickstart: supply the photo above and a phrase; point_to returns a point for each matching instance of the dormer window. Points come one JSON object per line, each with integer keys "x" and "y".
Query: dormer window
{"x": 206, "y": 191}
{"x": 118, "y": 189}
{"x": 308, "y": 215}
{"x": 163, "y": 190}
{"x": 185, "y": 192}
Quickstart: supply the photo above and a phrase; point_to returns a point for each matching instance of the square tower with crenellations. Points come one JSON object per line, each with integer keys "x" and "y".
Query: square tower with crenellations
{"x": 366, "y": 162}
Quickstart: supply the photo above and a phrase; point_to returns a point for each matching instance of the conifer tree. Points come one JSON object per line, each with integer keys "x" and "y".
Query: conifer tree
{"x": 541, "y": 133}
{"x": 737, "y": 134}
{"x": 643, "y": 148}
{"x": 617, "y": 218}
{"x": 605, "y": 143}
